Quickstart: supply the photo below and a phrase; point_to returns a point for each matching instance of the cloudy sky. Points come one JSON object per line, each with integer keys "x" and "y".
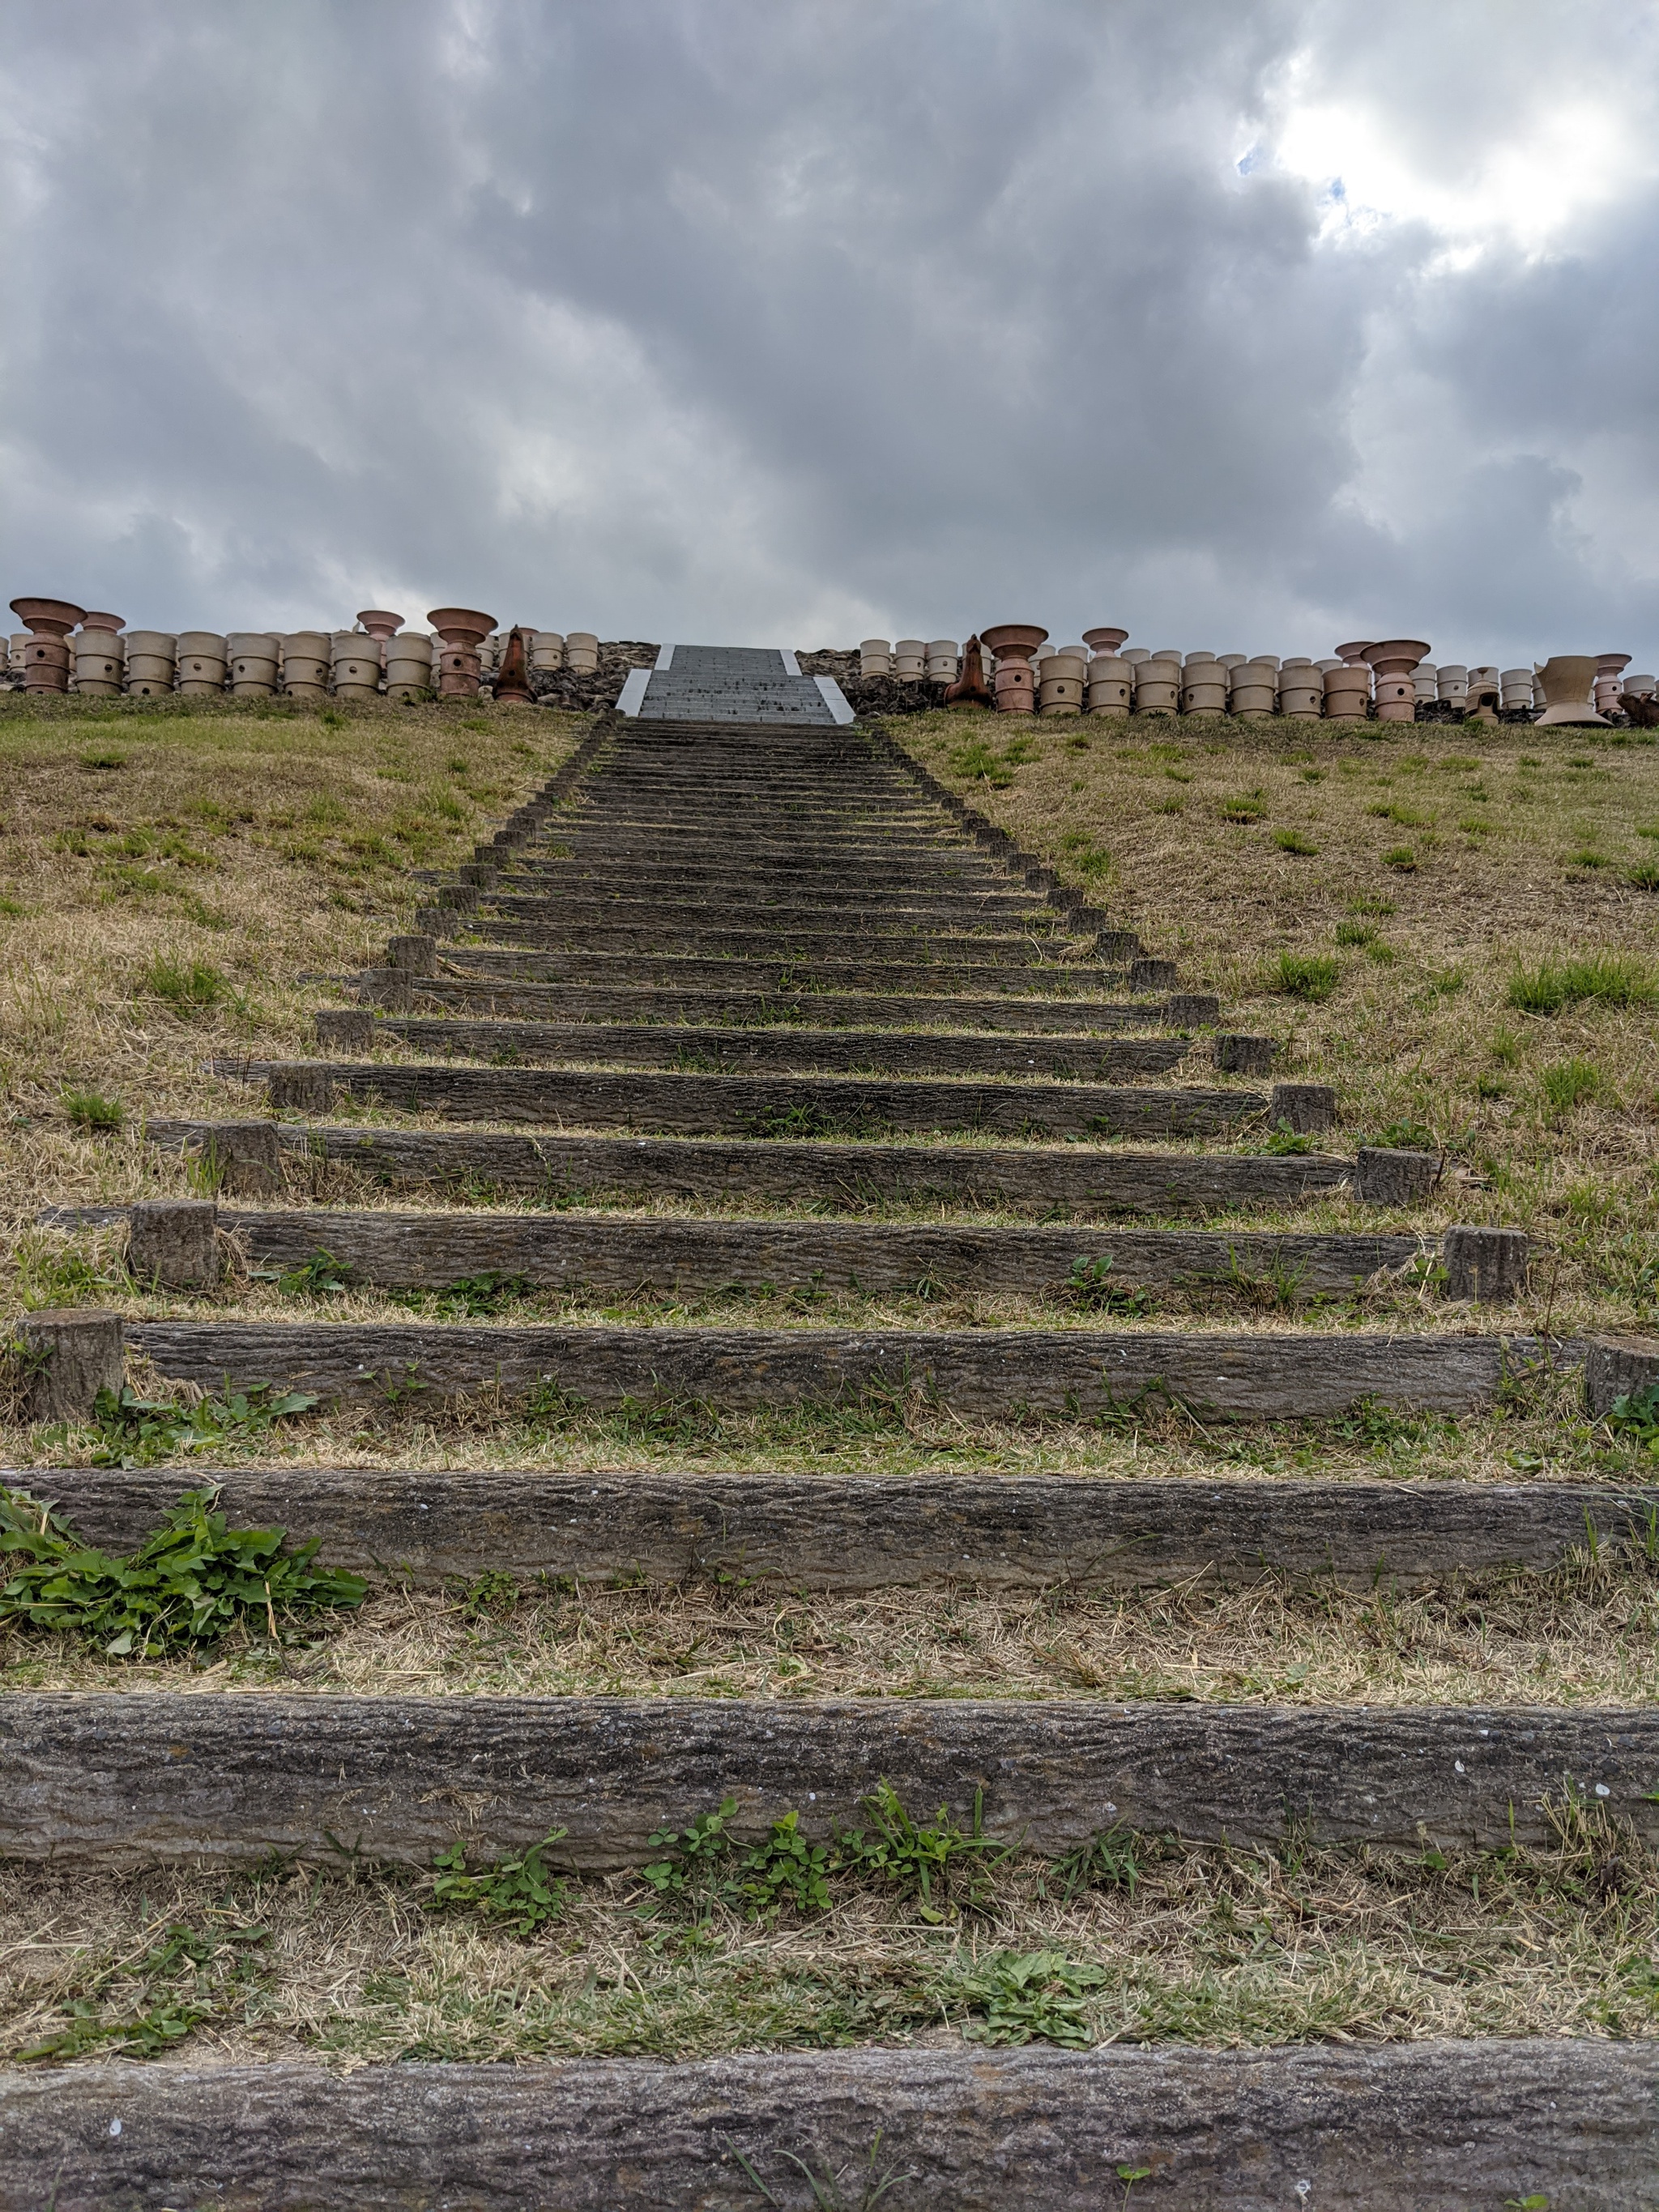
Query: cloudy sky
{"x": 1253, "y": 325}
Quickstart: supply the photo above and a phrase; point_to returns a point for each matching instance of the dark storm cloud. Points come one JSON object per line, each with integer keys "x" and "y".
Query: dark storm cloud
{"x": 747, "y": 318}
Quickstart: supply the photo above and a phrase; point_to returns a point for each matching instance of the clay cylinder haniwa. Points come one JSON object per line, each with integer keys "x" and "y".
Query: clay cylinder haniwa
{"x": 1059, "y": 684}
{"x": 581, "y": 652}
{"x": 1158, "y": 686}
{"x": 1392, "y": 663}
{"x": 1015, "y": 681}
{"x": 875, "y": 657}
{"x": 911, "y": 659}
{"x": 99, "y": 659}
{"x": 1347, "y": 692}
{"x": 46, "y": 665}
{"x": 409, "y": 665}
{"x": 1254, "y": 690}
{"x": 1301, "y": 690}
{"x": 1203, "y": 686}
{"x": 1111, "y": 684}
{"x": 151, "y": 658}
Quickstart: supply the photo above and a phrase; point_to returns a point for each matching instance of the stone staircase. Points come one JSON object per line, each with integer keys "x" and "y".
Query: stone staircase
{"x": 773, "y": 967}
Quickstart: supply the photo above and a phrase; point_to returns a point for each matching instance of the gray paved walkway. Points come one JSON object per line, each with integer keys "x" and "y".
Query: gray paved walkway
{"x": 731, "y": 684}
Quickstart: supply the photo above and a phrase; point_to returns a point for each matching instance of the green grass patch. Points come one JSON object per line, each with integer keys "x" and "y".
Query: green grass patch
{"x": 189, "y": 987}
{"x": 1292, "y": 841}
{"x": 1605, "y": 979}
{"x": 1310, "y": 976}
{"x": 1570, "y": 1083}
{"x": 91, "y": 1111}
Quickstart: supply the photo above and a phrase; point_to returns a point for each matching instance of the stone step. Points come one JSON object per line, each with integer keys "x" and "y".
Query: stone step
{"x": 847, "y": 1533}
{"x": 669, "y": 1102}
{"x": 143, "y": 1779}
{"x": 1262, "y": 1374}
{"x": 1458, "y": 2126}
{"x": 1083, "y": 1182}
{"x": 992, "y": 892}
{"x": 621, "y": 904}
{"x": 523, "y": 956}
{"x": 1019, "y": 1014}
{"x": 785, "y": 1048}
{"x": 172, "y": 1241}
{"x": 711, "y": 937}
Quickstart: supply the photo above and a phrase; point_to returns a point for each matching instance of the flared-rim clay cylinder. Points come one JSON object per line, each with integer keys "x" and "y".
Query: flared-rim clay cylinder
{"x": 1568, "y": 681}
{"x": 1393, "y": 665}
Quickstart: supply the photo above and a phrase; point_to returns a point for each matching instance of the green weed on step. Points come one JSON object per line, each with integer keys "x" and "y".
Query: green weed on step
{"x": 190, "y": 1582}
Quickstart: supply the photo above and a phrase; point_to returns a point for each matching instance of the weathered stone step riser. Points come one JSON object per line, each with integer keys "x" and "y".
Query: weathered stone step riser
{"x": 952, "y": 915}
{"x": 737, "y": 1105}
{"x": 782, "y": 1049}
{"x": 521, "y": 955}
{"x": 172, "y": 1241}
{"x": 125, "y": 1779}
{"x": 849, "y": 1532}
{"x": 1456, "y": 2127}
{"x": 525, "y": 921}
{"x": 1020, "y": 1016}
{"x": 1085, "y": 1184}
{"x": 997, "y": 1373}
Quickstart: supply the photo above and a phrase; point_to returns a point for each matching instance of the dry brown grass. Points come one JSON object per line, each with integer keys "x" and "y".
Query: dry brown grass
{"x": 1584, "y": 1635}
{"x": 1418, "y": 1029}
{"x": 1216, "y": 1947}
{"x": 258, "y": 843}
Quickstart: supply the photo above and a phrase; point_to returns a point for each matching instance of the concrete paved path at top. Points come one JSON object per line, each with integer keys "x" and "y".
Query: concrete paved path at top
{"x": 732, "y": 683}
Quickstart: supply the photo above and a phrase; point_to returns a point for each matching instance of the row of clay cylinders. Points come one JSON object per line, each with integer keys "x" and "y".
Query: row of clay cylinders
{"x": 938, "y": 660}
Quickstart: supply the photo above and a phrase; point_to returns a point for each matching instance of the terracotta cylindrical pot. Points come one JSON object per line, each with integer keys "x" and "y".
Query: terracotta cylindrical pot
{"x": 875, "y": 657}
{"x": 1111, "y": 684}
{"x": 1015, "y": 682}
{"x": 1059, "y": 684}
{"x": 19, "y": 641}
{"x": 1608, "y": 668}
{"x": 1253, "y": 690}
{"x": 1105, "y": 642}
{"x": 458, "y": 670}
{"x": 1638, "y": 687}
{"x": 99, "y": 657}
{"x": 100, "y": 620}
{"x": 1354, "y": 652}
{"x": 1301, "y": 691}
{"x": 581, "y": 652}
{"x": 151, "y": 656}
{"x": 1232, "y": 660}
{"x": 1347, "y": 692}
{"x": 911, "y": 659}
{"x": 1515, "y": 689}
{"x": 1452, "y": 682}
{"x": 1569, "y": 683}
{"x": 1203, "y": 685}
{"x": 1014, "y": 685}
{"x": 1425, "y": 681}
{"x": 944, "y": 659}
{"x": 201, "y": 663}
{"x": 1392, "y": 663}
{"x": 1158, "y": 685}
{"x": 378, "y": 623}
{"x": 46, "y": 662}
{"x": 1134, "y": 654}
{"x": 408, "y": 666}
{"x": 354, "y": 662}
{"x": 48, "y": 618}
{"x": 547, "y": 653}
